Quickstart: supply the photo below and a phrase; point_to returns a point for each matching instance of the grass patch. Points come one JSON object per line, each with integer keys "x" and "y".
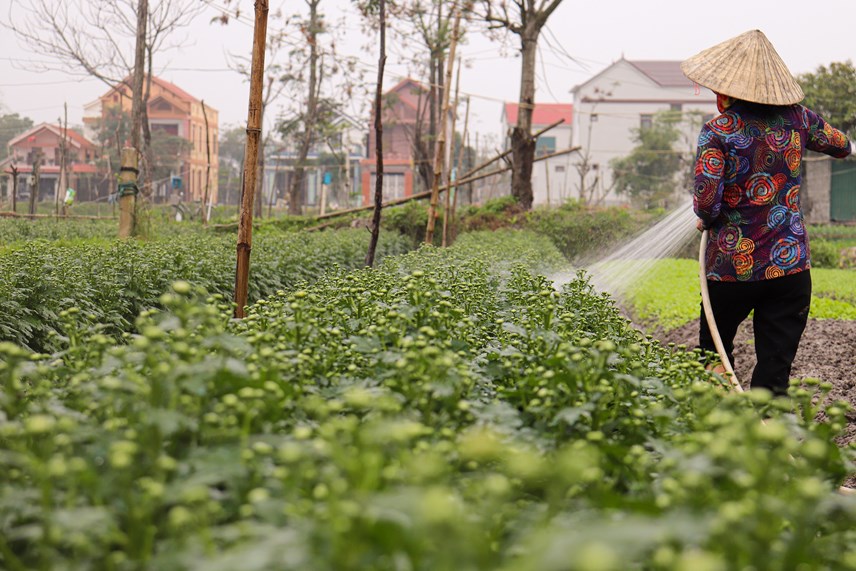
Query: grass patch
{"x": 668, "y": 296}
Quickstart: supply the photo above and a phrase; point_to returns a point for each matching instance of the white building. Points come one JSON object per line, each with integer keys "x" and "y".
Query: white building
{"x": 332, "y": 169}
{"x": 552, "y": 182}
{"x": 623, "y": 97}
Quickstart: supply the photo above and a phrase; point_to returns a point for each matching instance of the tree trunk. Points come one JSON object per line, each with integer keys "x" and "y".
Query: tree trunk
{"x": 378, "y": 124}
{"x": 522, "y": 143}
{"x": 139, "y": 74}
{"x": 34, "y": 191}
{"x": 295, "y": 202}
{"x": 14, "y": 170}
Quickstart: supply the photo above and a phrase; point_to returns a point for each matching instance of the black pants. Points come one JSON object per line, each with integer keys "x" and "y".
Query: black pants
{"x": 781, "y": 310}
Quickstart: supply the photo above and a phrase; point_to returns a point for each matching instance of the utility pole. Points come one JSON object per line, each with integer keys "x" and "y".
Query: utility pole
{"x": 251, "y": 152}
{"x": 127, "y": 191}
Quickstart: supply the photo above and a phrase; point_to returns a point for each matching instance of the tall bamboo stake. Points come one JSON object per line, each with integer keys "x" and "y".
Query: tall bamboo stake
{"x": 206, "y": 196}
{"x": 440, "y": 149}
{"x": 251, "y": 152}
{"x": 447, "y": 205}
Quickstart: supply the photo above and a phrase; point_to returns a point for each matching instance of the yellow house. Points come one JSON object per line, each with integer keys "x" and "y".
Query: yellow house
{"x": 176, "y": 112}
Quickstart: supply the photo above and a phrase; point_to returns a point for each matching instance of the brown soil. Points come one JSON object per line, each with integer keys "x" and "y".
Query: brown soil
{"x": 827, "y": 351}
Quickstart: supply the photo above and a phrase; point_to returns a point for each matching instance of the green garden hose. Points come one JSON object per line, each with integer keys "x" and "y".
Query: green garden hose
{"x": 708, "y": 314}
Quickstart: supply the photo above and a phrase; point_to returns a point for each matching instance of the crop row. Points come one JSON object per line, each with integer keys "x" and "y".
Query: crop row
{"x": 449, "y": 410}
{"x": 112, "y": 282}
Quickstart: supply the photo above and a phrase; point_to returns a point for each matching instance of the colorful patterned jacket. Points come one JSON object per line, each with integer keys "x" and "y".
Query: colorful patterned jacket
{"x": 747, "y": 188}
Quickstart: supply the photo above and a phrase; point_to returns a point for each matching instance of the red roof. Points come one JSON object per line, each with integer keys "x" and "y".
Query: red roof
{"x": 56, "y": 130}
{"x": 544, "y": 113}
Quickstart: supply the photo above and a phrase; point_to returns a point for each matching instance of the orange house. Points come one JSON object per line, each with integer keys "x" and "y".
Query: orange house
{"x": 176, "y": 112}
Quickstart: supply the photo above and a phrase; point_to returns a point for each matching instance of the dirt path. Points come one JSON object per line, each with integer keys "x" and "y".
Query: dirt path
{"x": 827, "y": 351}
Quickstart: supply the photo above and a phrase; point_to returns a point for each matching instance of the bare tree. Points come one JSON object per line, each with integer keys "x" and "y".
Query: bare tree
{"x": 524, "y": 19}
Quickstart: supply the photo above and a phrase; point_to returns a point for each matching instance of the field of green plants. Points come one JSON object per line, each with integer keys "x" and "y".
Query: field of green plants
{"x": 447, "y": 410}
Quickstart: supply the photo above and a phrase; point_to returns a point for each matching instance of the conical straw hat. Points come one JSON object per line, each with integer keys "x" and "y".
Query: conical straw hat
{"x": 745, "y": 67}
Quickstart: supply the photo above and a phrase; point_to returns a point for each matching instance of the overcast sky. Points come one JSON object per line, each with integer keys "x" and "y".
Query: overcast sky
{"x": 584, "y": 37}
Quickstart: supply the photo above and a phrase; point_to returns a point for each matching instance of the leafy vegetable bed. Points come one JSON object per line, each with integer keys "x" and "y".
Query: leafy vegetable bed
{"x": 449, "y": 410}
{"x": 112, "y": 282}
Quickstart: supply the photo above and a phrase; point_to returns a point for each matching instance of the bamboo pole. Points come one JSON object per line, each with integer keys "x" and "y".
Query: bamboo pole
{"x": 440, "y": 148}
{"x": 251, "y": 152}
{"x": 428, "y": 193}
{"x": 447, "y": 205}
{"x": 206, "y": 196}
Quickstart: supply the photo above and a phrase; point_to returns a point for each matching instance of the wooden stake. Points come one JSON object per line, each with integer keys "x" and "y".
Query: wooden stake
{"x": 251, "y": 153}
{"x": 205, "y": 196}
{"x": 128, "y": 191}
{"x": 440, "y": 149}
{"x": 378, "y": 125}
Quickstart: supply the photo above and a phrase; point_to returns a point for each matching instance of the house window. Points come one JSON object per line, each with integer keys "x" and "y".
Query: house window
{"x": 393, "y": 185}
{"x": 645, "y": 121}
{"x": 594, "y": 117}
{"x": 545, "y": 146}
{"x": 677, "y": 107}
{"x": 560, "y": 168}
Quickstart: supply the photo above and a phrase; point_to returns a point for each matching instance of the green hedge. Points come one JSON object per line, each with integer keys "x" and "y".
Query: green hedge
{"x": 447, "y": 411}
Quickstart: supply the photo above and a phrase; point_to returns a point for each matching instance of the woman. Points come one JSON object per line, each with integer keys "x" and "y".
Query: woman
{"x": 747, "y": 193}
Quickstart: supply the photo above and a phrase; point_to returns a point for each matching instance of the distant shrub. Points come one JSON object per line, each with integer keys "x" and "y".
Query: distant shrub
{"x": 824, "y": 254}
{"x": 578, "y": 231}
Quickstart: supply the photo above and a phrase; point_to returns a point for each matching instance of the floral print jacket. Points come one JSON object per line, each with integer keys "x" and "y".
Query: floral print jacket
{"x": 747, "y": 188}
